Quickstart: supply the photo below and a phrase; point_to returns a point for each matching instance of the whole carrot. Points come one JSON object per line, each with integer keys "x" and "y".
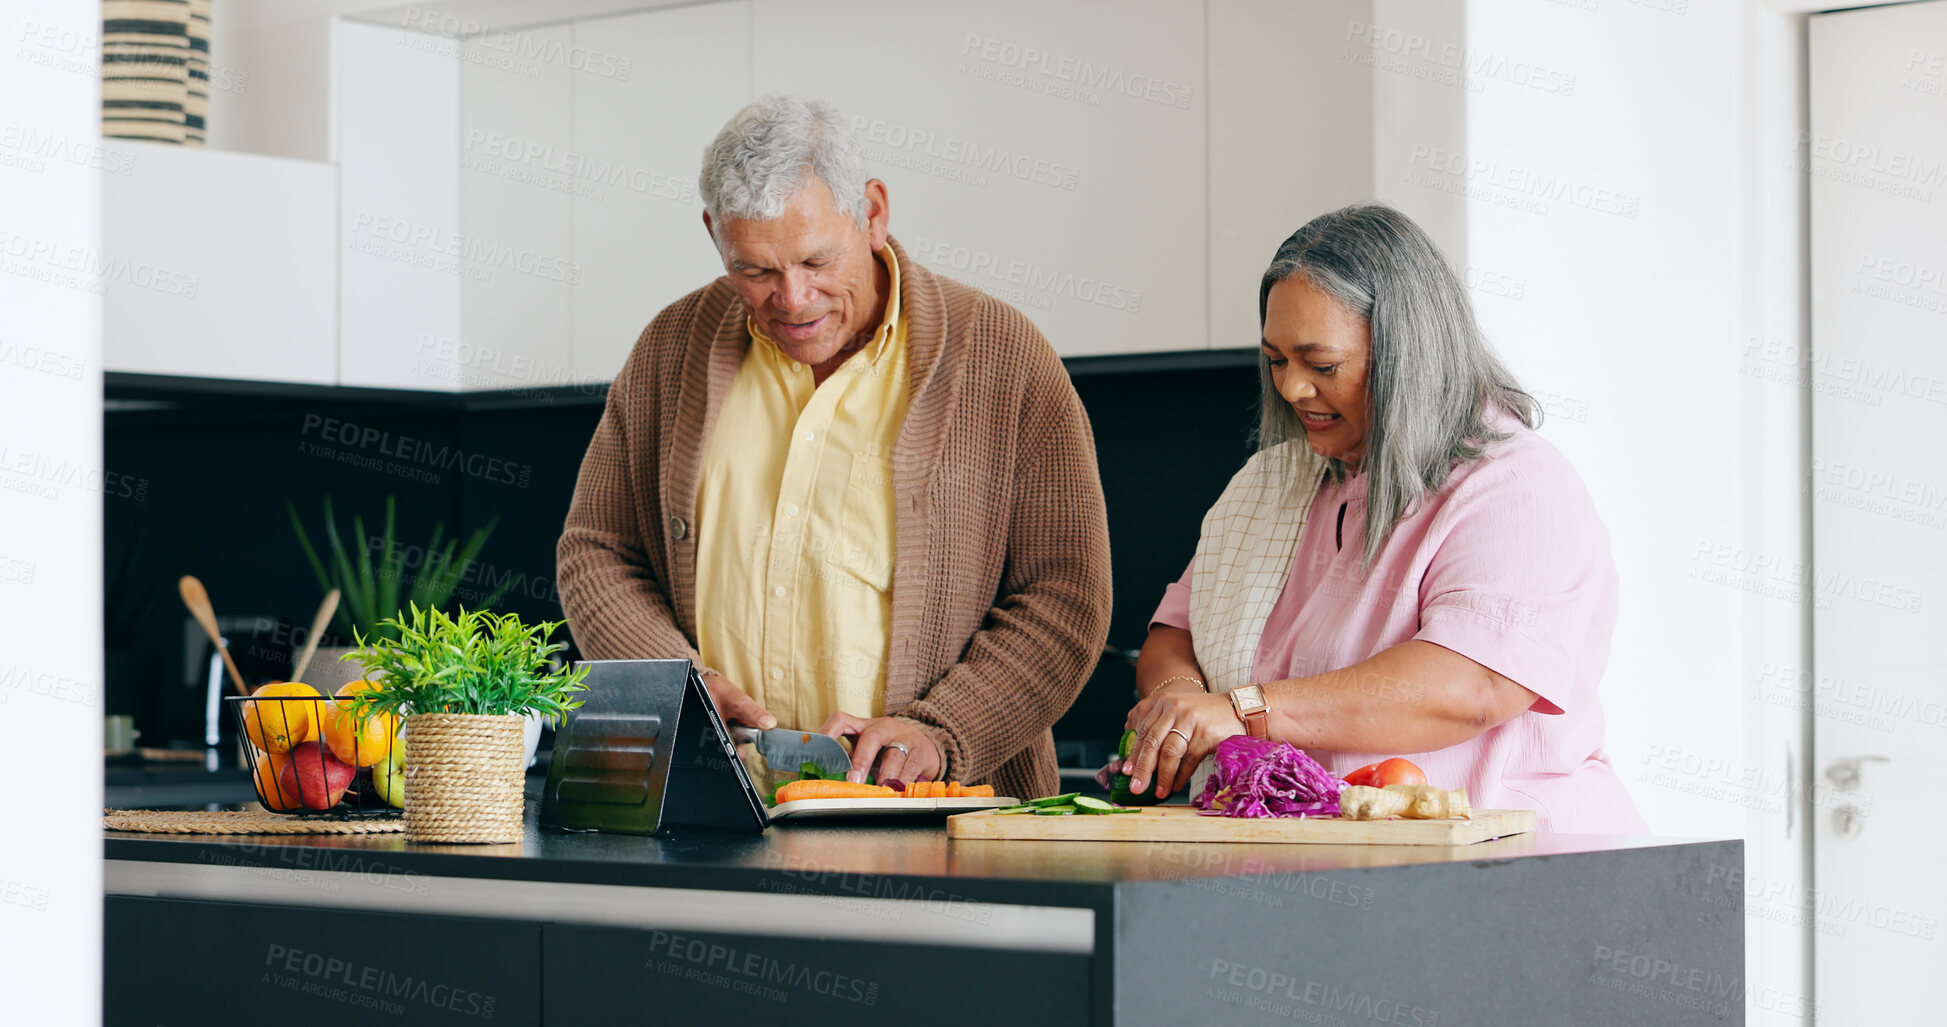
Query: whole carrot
{"x": 795, "y": 790}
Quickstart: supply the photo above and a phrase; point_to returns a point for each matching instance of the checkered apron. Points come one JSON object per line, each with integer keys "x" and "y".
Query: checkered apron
{"x": 1244, "y": 554}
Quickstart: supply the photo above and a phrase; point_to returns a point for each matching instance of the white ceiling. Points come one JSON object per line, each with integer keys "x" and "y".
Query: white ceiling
{"x": 470, "y": 16}
{"x": 505, "y": 14}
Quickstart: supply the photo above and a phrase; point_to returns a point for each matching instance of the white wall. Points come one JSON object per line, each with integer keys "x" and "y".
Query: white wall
{"x": 51, "y": 486}
{"x": 1633, "y": 222}
{"x": 1776, "y": 443}
{"x": 1616, "y": 203}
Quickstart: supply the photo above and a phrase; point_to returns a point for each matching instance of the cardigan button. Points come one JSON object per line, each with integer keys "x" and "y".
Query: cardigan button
{"x": 678, "y": 528}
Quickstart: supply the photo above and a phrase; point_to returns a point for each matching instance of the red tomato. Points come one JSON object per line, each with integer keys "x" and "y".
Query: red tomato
{"x": 1394, "y": 771}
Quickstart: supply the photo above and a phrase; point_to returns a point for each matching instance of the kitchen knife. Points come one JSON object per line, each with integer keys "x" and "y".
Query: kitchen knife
{"x": 787, "y": 750}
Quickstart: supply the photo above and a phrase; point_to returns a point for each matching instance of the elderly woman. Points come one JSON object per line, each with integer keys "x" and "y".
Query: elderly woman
{"x": 1404, "y": 568}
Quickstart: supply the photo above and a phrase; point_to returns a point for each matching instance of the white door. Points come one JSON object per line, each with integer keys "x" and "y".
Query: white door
{"x": 1877, "y": 157}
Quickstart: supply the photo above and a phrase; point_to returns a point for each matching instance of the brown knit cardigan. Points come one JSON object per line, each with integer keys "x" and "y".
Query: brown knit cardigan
{"x": 1000, "y": 600}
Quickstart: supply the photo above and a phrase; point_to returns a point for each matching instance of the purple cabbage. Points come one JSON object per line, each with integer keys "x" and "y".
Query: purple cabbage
{"x": 1256, "y": 777}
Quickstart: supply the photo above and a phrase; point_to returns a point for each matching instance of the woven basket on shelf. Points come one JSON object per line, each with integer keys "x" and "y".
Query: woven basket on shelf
{"x": 464, "y": 777}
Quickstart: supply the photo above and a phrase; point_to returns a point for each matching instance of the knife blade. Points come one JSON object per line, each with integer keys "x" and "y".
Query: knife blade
{"x": 787, "y": 750}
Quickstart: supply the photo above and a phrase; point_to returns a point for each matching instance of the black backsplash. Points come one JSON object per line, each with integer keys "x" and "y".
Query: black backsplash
{"x": 205, "y": 470}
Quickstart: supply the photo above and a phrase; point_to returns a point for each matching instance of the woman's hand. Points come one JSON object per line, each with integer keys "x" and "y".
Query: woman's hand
{"x": 1175, "y": 729}
{"x": 901, "y": 750}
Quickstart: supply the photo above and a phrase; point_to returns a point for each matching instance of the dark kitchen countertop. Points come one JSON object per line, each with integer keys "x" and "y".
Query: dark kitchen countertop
{"x": 133, "y": 783}
{"x": 1137, "y": 932}
{"x": 1014, "y": 871}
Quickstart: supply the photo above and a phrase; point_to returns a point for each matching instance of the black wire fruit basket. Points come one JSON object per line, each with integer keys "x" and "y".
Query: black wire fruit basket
{"x": 311, "y": 756}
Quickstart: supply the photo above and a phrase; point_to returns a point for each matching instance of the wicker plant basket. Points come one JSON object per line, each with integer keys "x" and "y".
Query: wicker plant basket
{"x": 464, "y": 777}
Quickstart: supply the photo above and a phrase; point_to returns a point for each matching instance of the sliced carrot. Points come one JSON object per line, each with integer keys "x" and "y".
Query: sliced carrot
{"x": 795, "y": 790}
{"x": 978, "y": 792}
{"x": 953, "y": 790}
{"x": 939, "y": 789}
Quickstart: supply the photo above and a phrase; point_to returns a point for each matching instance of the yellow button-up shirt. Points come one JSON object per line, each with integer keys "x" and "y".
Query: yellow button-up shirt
{"x": 795, "y": 527}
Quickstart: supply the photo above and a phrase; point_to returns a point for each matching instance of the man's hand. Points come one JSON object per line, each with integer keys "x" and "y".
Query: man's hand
{"x": 900, "y": 749}
{"x": 735, "y": 705}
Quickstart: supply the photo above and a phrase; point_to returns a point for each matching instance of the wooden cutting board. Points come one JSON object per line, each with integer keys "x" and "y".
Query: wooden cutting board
{"x": 1185, "y": 824}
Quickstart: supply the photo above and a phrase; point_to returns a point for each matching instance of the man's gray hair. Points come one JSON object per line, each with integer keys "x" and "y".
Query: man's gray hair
{"x": 758, "y": 162}
{"x": 1431, "y": 377}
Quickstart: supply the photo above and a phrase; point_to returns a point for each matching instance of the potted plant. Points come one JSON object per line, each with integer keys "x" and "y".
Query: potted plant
{"x": 464, "y": 685}
{"x": 372, "y": 591}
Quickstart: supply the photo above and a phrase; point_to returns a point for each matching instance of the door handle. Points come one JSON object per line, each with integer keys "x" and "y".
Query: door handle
{"x": 1845, "y": 773}
{"x": 1847, "y": 818}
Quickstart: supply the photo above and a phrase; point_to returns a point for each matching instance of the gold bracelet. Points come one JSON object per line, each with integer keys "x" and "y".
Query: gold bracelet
{"x": 1180, "y": 677}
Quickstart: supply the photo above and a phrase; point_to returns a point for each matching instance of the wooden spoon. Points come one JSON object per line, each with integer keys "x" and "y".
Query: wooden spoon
{"x": 325, "y": 610}
{"x": 198, "y": 602}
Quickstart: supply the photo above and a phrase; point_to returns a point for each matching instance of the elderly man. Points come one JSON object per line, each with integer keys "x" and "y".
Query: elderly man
{"x": 858, "y": 495}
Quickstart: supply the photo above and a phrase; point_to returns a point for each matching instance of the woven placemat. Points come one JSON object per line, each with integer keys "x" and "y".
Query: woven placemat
{"x": 256, "y": 821}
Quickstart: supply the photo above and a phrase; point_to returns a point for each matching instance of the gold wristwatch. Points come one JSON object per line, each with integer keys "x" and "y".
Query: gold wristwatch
{"x": 1251, "y": 708}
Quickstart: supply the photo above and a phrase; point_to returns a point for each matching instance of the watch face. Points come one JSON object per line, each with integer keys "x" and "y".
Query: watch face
{"x": 1249, "y": 698}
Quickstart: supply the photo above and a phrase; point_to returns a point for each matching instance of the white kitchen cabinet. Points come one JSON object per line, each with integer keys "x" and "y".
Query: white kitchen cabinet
{"x": 668, "y": 81}
{"x": 1277, "y": 161}
{"x": 1052, "y": 156}
{"x": 217, "y": 265}
{"x": 517, "y": 173}
{"x": 401, "y": 250}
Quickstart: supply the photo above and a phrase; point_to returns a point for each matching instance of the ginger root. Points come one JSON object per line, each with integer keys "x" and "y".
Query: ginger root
{"x": 1414, "y": 802}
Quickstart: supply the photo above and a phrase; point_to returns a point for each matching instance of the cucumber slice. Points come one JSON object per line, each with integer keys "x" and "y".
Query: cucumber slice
{"x": 1091, "y": 804}
{"x": 1054, "y": 800}
{"x": 1023, "y": 808}
{"x": 1054, "y": 811}
{"x": 1128, "y": 742}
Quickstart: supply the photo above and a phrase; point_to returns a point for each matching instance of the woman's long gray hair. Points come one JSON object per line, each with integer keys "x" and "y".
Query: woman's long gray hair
{"x": 1431, "y": 378}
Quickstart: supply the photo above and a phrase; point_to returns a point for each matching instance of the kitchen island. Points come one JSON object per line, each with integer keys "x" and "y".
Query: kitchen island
{"x": 869, "y": 922}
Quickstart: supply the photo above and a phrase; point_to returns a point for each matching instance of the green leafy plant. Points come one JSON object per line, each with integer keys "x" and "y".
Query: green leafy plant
{"x": 369, "y": 593}
{"x": 477, "y": 662}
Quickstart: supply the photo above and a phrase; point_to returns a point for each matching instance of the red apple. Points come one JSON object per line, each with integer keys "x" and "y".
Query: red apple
{"x": 315, "y": 776}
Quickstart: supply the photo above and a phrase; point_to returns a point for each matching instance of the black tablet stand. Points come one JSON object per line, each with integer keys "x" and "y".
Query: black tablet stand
{"x": 645, "y": 752}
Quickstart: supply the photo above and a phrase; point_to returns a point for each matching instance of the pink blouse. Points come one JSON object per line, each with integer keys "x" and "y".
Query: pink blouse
{"x": 1509, "y": 566}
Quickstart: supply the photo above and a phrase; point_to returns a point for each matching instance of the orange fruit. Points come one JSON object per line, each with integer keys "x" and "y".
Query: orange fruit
{"x": 357, "y": 743}
{"x": 274, "y": 798}
{"x": 278, "y": 727}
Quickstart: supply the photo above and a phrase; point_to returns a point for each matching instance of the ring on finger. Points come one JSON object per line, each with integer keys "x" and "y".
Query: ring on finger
{"x": 1180, "y": 733}
{"x": 901, "y": 746}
